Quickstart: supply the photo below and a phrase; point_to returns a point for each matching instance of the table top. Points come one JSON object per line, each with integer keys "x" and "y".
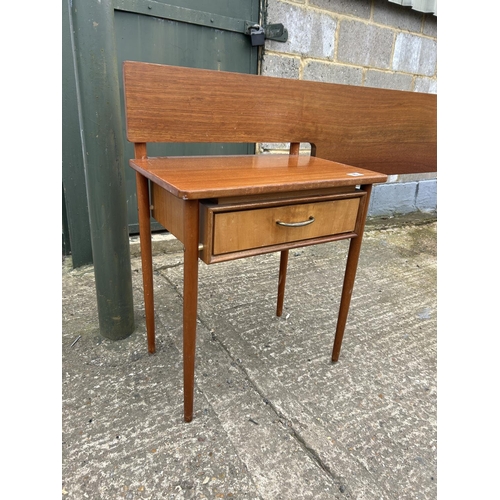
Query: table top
{"x": 200, "y": 177}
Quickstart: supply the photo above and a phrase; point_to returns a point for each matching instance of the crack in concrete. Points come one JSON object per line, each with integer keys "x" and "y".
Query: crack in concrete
{"x": 214, "y": 412}
{"x": 338, "y": 481}
{"x": 167, "y": 266}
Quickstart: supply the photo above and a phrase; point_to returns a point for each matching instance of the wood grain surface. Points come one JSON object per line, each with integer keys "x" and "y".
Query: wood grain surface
{"x": 198, "y": 177}
{"x": 388, "y": 131}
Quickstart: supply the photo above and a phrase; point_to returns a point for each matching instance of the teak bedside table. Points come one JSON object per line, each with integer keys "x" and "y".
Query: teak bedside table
{"x": 227, "y": 207}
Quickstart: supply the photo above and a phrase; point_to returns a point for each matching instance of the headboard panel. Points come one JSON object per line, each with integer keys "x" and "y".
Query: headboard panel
{"x": 387, "y": 131}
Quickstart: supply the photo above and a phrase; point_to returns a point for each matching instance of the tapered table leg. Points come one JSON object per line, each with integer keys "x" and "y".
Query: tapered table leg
{"x": 146, "y": 257}
{"x": 281, "y": 282}
{"x": 294, "y": 151}
{"x": 349, "y": 277}
{"x": 190, "y": 302}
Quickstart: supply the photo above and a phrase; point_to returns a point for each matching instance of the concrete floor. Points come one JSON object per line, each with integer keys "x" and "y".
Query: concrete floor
{"x": 274, "y": 418}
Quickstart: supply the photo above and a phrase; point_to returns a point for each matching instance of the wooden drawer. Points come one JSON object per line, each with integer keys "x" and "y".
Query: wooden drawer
{"x": 246, "y": 227}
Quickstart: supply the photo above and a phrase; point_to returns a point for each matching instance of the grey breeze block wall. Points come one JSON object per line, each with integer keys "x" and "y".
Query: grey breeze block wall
{"x": 371, "y": 43}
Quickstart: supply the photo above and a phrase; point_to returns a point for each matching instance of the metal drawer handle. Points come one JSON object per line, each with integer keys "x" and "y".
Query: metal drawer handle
{"x": 296, "y": 224}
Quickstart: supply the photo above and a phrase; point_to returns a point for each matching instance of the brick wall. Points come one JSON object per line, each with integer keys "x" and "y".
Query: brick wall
{"x": 371, "y": 43}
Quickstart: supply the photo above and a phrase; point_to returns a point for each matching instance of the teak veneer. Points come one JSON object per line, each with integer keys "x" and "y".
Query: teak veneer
{"x": 228, "y": 207}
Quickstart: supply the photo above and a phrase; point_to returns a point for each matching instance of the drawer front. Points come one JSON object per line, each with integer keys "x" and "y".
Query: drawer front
{"x": 235, "y": 231}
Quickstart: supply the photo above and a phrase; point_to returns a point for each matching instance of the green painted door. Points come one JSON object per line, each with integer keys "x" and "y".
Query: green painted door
{"x": 202, "y": 34}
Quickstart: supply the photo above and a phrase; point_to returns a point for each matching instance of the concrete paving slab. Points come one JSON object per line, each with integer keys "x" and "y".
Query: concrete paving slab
{"x": 274, "y": 418}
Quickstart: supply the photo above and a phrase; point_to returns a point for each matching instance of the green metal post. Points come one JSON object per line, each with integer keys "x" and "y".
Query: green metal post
{"x": 99, "y": 100}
